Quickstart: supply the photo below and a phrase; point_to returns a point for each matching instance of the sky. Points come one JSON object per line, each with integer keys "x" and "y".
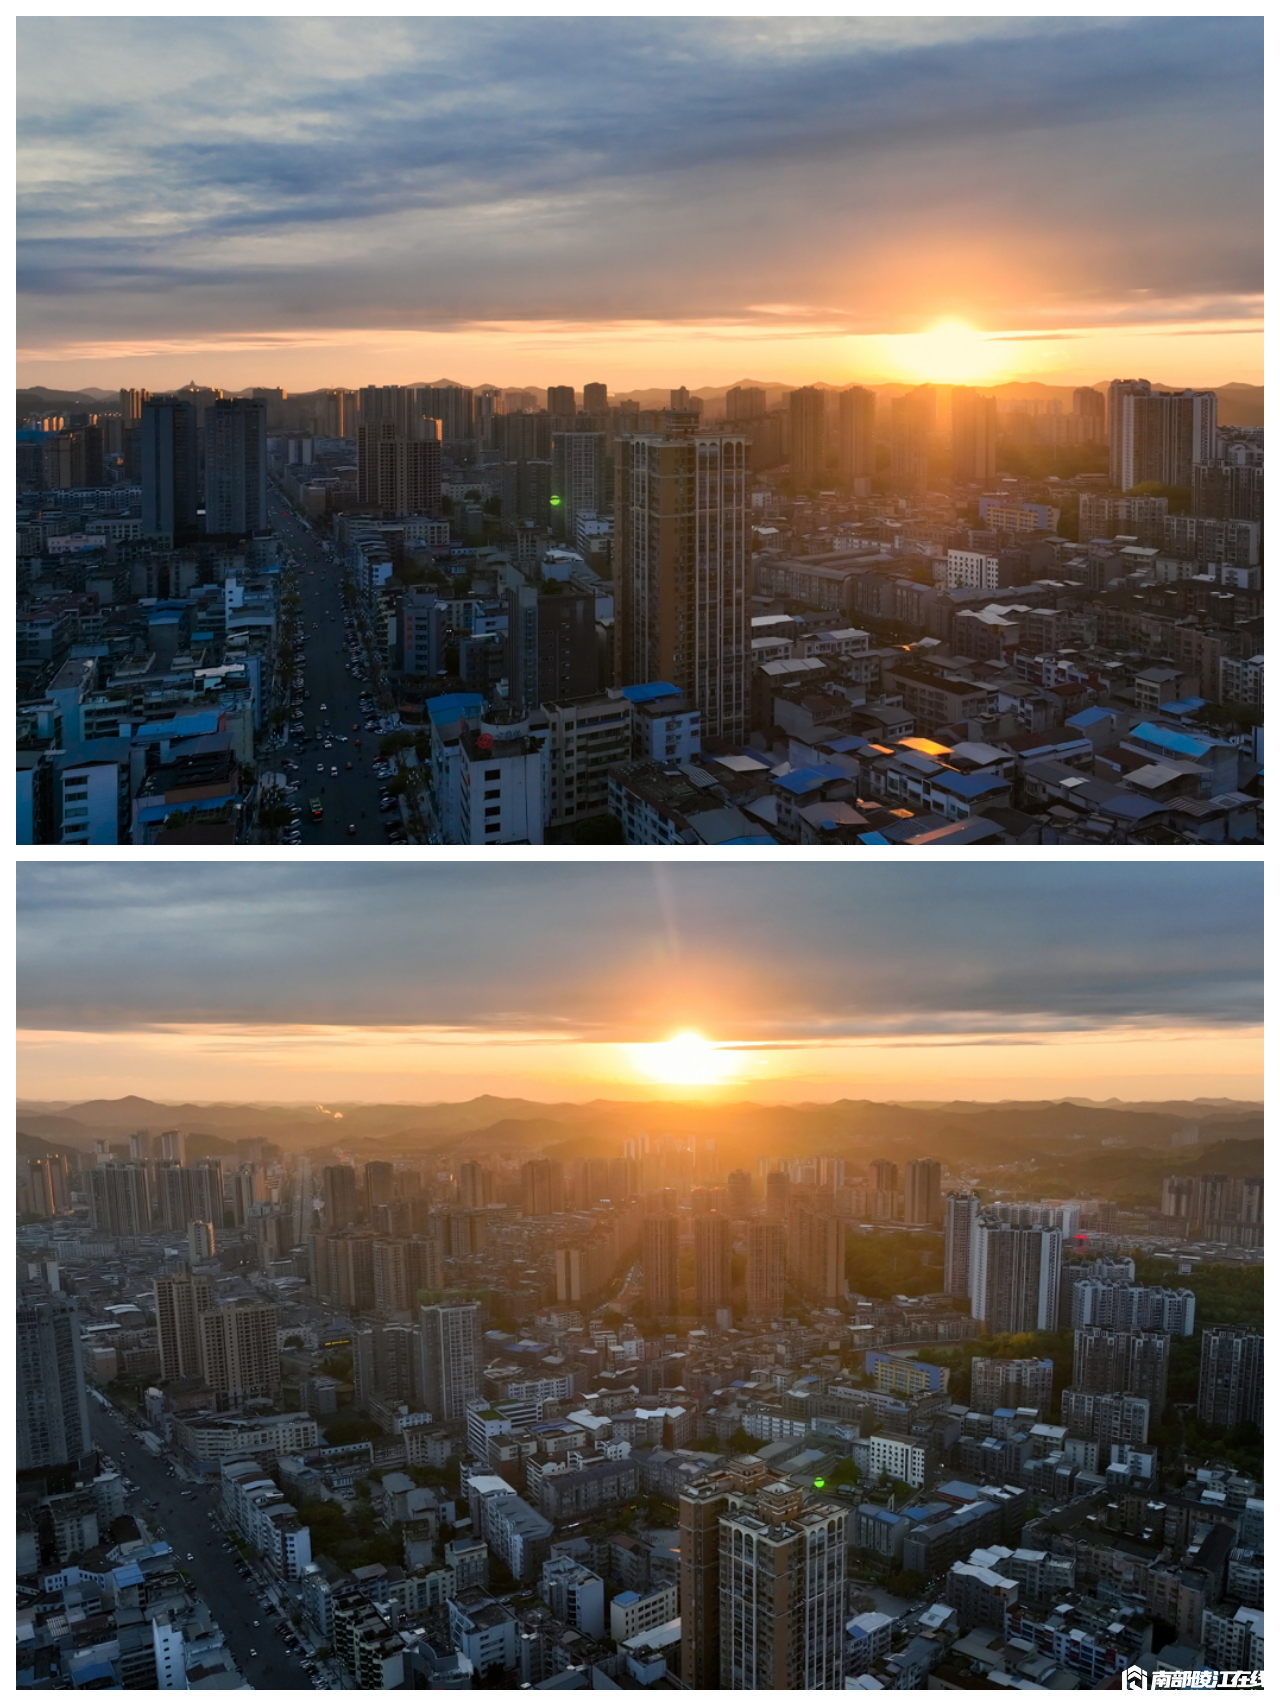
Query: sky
{"x": 568, "y": 981}
{"x": 643, "y": 201}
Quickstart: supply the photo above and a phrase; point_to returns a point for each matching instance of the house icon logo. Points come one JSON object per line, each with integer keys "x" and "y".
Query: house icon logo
{"x": 1134, "y": 1677}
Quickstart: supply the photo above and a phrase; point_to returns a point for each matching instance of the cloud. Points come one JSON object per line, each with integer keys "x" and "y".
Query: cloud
{"x": 627, "y": 951}
{"x": 184, "y": 176}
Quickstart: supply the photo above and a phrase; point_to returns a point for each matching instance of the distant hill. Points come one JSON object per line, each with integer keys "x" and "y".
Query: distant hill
{"x": 1068, "y": 1136}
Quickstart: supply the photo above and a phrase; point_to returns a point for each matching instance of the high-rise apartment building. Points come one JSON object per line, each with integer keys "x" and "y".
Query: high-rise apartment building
{"x": 379, "y": 1183}
{"x": 577, "y": 479}
{"x": 50, "y": 1177}
{"x": 397, "y": 475}
{"x": 777, "y": 1195}
{"x": 857, "y": 416}
{"x": 181, "y": 1298}
{"x": 816, "y": 1248}
{"x": 131, "y": 406}
{"x": 766, "y": 1269}
{"x": 452, "y": 1359}
{"x": 542, "y": 1187}
{"x": 661, "y": 1260}
{"x": 1111, "y": 1418}
{"x": 474, "y": 1181}
{"x": 884, "y": 1176}
{"x": 711, "y": 1265}
{"x": 53, "y": 1409}
{"x": 680, "y": 571}
{"x": 1118, "y": 1303}
{"x": 338, "y": 1184}
{"x": 1230, "y": 1377}
{"x": 1089, "y": 409}
{"x": 552, "y": 648}
{"x": 239, "y": 1352}
{"x": 1159, "y": 435}
{"x": 912, "y": 419}
{"x": 235, "y": 466}
{"x": 595, "y": 400}
{"x": 782, "y": 1574}
{"x": 702, "y": 1504}
{"x": 961, "y": 1219}
{"x": 119, "y": 1199}
{"x": 973, "y": 436}
{"x": 1010, "y": 1383}
{"x": 561, "y": 401}
{"x": 744, "y": 403}
{"x": 808, "y": 408}
{"x": 170, "y": 491}
{"x": 451, "y": 405}
{"x": 1014, "y": 1275}
{"x": 1106, "y": 1359}
{"x": 924, "y": 1193}
{"x": 740, "y": 1196}
{"x": 402, "y": 1267}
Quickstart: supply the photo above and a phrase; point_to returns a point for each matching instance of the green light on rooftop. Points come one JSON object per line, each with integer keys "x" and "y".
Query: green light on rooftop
{"x": 819, "y": 1482}
{"x": 555, "y": 500}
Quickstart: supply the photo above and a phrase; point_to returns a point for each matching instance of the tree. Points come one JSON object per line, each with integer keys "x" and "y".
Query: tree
{"x": 602, "y": 829}
{"x": 906, "y": 1584}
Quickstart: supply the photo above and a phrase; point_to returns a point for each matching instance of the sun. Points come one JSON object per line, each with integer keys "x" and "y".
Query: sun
{"x": 684, "y": 1059}
{"x": 950, "y": 353}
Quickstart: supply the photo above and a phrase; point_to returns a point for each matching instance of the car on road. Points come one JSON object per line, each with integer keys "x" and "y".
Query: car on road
{"x": 351, "y": 829}
{"x": 334, "y": 770}
{"x": 320, "y": 768}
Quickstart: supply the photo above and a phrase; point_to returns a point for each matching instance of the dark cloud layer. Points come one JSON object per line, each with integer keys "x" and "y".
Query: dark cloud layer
{"x": 750, "y": 951}
{"x": 230, "y": 174}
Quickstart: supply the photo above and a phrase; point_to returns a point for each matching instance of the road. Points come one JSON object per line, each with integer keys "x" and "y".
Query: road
{"x": 188, "y": 1525}
{"x": 333, "y": 706}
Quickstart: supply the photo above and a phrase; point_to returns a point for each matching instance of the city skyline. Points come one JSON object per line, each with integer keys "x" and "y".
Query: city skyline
{"x": 955, "y": 1003}
{"x": 375, "y": 201}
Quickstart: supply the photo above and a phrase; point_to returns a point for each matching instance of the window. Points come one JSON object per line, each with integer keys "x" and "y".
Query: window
{"x": 493, "y": 793}
{"x": 492, "y": 775}
{"x": 493, "y": 811}
{"x": 75, "y": 811}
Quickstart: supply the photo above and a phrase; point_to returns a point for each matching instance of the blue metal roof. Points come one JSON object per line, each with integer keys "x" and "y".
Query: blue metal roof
{"x": 647, "y": 690}
{"x": 157, "y": 813}
{"x": 1086, "y": 719}
{"x": 873, "y": 838}
{"x": 1183, "y": 707}
{"x": 800, "y": 781}
{"x": 1172, "y": 740}
{"x": 969, "y": 787}
{"x": 196, "y": 723}
{"x": 1129, "y": 805}
{"x": 448, "y": 707}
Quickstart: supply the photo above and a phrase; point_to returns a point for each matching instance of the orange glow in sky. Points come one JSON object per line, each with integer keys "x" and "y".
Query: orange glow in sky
{"x": 419, "y": 1063}
{"x": 685, "y": 1059}
{"x": 950, "y": 353}
{"x": 789, "y": 349}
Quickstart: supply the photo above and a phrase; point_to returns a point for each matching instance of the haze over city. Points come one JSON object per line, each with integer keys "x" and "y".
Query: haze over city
{"x": 318, "y": 202}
